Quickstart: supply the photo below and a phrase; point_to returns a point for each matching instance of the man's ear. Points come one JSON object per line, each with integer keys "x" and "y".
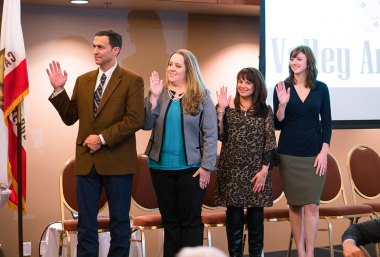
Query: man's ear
{"x": 116, "y": 50}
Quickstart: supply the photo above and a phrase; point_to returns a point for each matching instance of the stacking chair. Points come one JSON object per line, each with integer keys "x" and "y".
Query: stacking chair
{"x": 217, "y": 216}
{"x": 364, "y": 170}
{"x": 275, "y": 214}
{"x": 329, "y": 210}
{"x": 68, "y": 203}
{"x": 144, "y": 198}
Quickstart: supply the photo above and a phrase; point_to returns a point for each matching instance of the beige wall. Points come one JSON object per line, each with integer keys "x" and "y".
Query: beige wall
{"x": 222, "y": 44}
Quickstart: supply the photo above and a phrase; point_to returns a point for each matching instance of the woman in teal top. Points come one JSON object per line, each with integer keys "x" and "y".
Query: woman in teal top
{"x": 182, "y": 148}
{"x": 172, "y": 156}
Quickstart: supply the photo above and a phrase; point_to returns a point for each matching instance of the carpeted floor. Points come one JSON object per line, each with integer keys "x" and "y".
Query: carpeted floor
{"x": 320, "y": 252}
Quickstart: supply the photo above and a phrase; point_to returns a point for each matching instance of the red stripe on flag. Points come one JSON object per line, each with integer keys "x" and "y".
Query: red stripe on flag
{"x": 12, "y": 158}
{"x": 15, "y": 84}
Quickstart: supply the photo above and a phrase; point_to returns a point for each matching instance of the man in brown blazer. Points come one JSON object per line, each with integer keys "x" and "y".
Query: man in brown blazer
{"x": 109, "y": 104}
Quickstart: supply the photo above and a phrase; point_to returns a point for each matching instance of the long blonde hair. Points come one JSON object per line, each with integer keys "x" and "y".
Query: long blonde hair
{"x": 195, "y": 87}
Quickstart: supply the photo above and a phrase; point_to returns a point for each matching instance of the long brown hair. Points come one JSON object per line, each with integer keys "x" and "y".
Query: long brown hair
{"x": 311, "y": 68}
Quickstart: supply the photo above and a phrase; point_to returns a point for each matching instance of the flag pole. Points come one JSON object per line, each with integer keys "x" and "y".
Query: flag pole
{"x": 19, "y": 181}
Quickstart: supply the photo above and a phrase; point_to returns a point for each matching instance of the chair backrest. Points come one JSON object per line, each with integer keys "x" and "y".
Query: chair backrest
{"x": 333, "y": 187}
{"x": 209, "y": 197}
{"x": 143, "y": 192}
{"x": 68, "y": 190}
{"x": 277, "y": 188}
{"x": 364, "y": 169}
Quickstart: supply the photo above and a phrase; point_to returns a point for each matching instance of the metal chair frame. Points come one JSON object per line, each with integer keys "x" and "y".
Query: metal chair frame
{"x": 145, "y": 199}
{"x": 275, "y": 214}
{"x": 217, "y": 214}
{"x": 68, "y": 202}
{"x": 368, "y": 191}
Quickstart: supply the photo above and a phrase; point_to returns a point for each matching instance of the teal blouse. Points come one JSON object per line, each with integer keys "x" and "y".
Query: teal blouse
{"x": 172, "y": 155}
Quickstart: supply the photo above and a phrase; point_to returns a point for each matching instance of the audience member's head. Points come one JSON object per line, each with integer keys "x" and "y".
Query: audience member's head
{"x": 201, "y": 251}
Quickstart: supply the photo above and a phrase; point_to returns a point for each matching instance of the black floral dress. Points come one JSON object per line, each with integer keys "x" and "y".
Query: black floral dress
{"x": 248, "y": 142}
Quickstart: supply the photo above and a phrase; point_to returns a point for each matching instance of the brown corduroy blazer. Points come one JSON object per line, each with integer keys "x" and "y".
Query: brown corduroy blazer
{"x": 120, "y": 114}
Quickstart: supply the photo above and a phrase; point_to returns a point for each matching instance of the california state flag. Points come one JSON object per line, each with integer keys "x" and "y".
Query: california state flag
{"x": 14, "y": 86}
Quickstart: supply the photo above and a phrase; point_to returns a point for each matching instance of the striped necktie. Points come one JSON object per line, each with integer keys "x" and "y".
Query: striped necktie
{"x": 98, "y": 93}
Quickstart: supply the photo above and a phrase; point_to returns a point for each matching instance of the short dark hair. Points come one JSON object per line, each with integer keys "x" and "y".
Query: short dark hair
{"x": 114, "y": 37}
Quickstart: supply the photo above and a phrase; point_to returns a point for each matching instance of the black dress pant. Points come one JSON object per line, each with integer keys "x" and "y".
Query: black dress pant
{"x": 118, "y": 190}
{"x": 180, "y": 202}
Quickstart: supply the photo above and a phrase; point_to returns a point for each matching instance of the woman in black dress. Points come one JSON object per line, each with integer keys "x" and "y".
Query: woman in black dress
{"x": 299, "y": 102}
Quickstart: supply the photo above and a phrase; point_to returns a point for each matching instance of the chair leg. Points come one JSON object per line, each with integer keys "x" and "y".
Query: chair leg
{"x": 61, "y": 238}
{"x": 330, "y": 231}
{"x": 290, "y": 244}
{"x": 143, "y": 246}
{"x": 68, "y": 244}
{"x": 209, "y": 237}
{"x": 61, "y": 243}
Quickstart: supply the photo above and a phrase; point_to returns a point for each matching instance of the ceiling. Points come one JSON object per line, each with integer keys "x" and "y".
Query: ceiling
{"x": 232, "y": 7}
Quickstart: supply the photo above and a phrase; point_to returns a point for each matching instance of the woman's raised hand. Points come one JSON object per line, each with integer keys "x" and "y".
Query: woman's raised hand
{"x": 283, "y": 95}
{"x": 223, "y": 100}
{"x": 156, "y": 85}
